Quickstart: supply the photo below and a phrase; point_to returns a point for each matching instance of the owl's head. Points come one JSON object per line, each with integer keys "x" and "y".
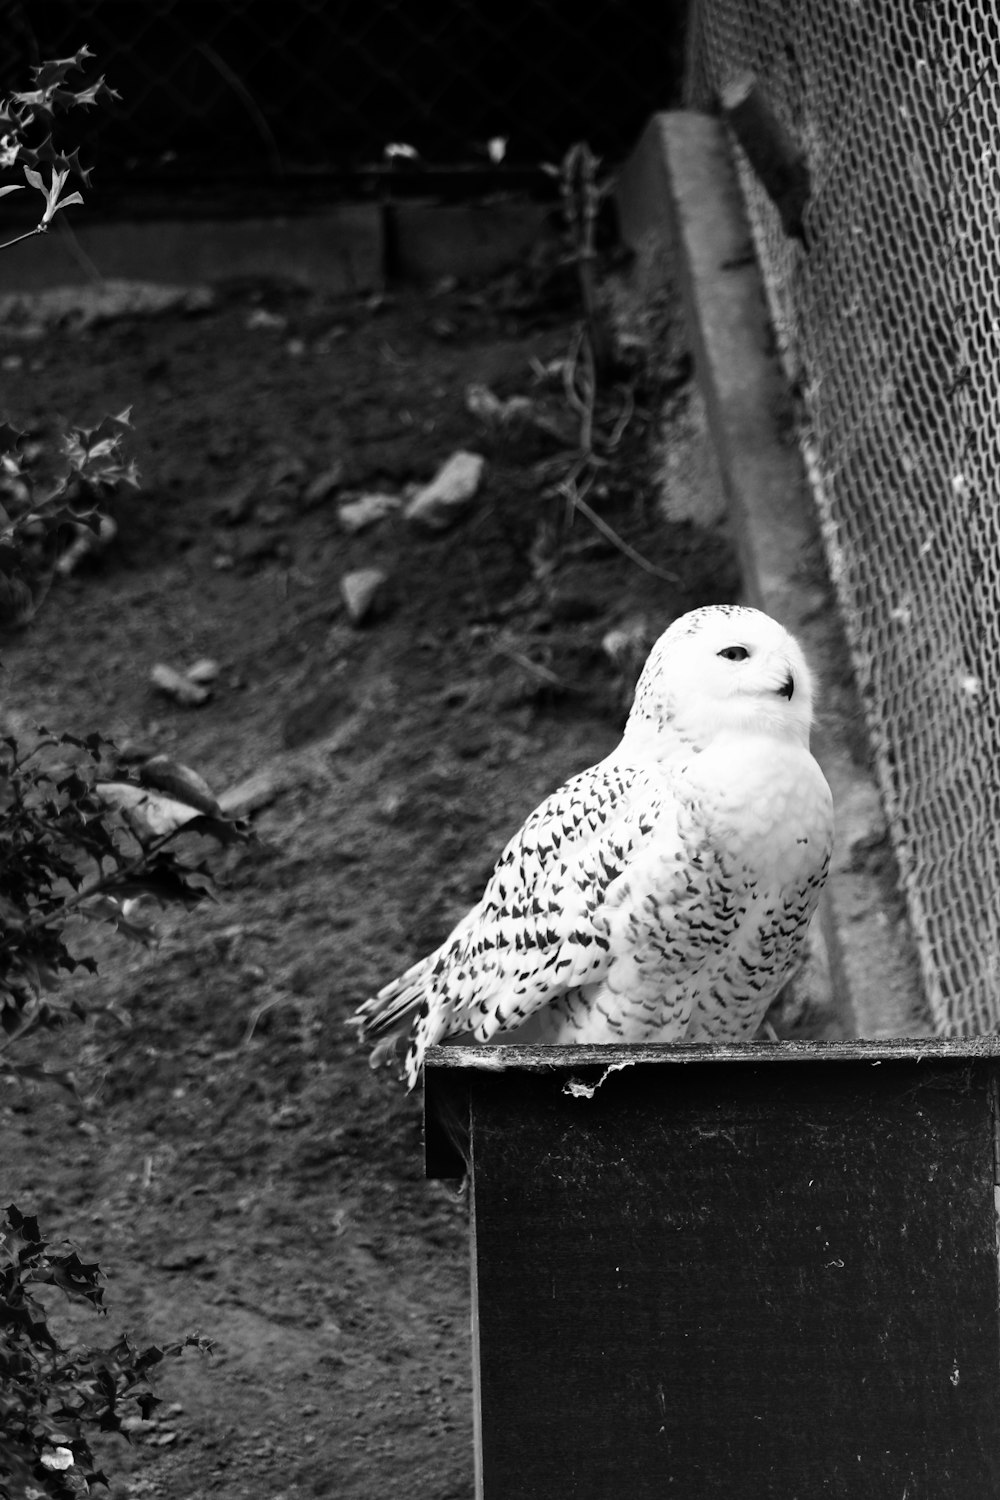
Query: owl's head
{"x": 721, "y": 669}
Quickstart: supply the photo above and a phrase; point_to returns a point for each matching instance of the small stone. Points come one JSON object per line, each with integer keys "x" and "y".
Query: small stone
{"x": 363, "y": 593}
{"x": 205, "y": 669}
{"x": 485, "y": 404}
{"x": 439, "y": 504}
{"x": 178, "y": 685}
{"x": 178, "y": 781}
{"x": 356, "y": 515}
{"x": 249, "y": 796}
{"x": 86, "y": 543}
{"x": 262, "y": 318}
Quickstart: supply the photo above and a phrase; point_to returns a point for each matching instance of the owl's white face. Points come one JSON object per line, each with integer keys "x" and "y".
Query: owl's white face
{"x": 726, "y": 668}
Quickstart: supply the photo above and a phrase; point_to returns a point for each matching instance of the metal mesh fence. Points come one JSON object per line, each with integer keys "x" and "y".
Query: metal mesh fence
{"x": 889, "y": 321}
{"x": 224, "y": 87}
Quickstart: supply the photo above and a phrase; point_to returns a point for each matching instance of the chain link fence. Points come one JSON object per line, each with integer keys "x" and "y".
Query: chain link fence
{"x": 224, "y": 88}
{"x": 888, "y": 317}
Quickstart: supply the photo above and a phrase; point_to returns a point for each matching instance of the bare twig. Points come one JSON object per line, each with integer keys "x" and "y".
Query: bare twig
{"x": 624, "y": 418}
{"x": 541, "y": 674}
{"x": 28, "y": 235}
{"x": 579, "y": 503}
{"x": 261, "y": 1010}
{"x": 581, "y": 195}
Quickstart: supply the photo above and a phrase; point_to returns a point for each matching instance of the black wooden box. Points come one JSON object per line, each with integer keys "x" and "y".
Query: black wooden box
{"x": 730, "y": 1274}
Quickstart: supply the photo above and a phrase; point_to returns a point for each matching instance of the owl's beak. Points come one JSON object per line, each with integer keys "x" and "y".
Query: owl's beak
{"x": 787, "y": 688}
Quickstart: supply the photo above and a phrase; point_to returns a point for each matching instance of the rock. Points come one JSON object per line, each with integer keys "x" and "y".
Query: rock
{"x": 146, "y": 811}
{"x": 485, "y": 404}
{"x": 262, "y": 318}
{"x": 363, "y": 593}
{"x": 205, "y": 669}
{"x": 628, "y": 643}
{"x": 258, "y": 790}
{"x": 178, "y": 686}
{"x": 451, "y": 491}
{"x": 179, "y": 781}
{"x": 86, "y": 543}
{"x": 356, "y": 515}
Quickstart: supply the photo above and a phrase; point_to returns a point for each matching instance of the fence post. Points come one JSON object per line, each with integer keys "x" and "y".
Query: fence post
{"x": 758, "y": 1271}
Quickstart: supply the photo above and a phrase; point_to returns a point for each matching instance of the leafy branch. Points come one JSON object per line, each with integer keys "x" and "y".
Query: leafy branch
{"x": 78, "y": 839}
{"x": 27, "y": 118}
{"x": 51, "y": 485}
{"x": 82, "y": 840}
{"x": 52, "y": 1399}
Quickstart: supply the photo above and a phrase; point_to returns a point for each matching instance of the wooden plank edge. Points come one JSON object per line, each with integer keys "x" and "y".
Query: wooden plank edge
{"x": 535, "y": 1059}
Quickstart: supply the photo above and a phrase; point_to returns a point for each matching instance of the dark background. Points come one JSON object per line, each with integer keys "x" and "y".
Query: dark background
{"x": 288, "y": 90}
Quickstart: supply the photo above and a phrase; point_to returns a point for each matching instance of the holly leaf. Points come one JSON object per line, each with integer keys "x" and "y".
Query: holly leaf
{"x": 47, "y": 154}
{"x": 168, "y": 882}
{"x": 76, "y": 1278}
{"x": 53, "y": 91}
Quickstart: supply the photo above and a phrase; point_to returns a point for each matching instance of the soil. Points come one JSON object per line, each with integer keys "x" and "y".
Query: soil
{"x": 230, "y": 1158}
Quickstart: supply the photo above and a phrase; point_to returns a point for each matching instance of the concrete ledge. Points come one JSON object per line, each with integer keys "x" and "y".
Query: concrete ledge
{"x": 426, "y": 240}
{"x": 347, "y": 249}
{"x": 680, "y": 186}
{"x": 338, "y": 250}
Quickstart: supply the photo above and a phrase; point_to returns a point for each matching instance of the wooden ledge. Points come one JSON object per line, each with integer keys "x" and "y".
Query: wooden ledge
{"x": 453, "y": 1073}
{"x": 533, "y": 1059}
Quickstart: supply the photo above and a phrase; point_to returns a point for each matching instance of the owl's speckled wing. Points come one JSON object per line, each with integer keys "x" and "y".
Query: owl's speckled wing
{"x": 540, "y": 928}
{"x": 611, "y": 881}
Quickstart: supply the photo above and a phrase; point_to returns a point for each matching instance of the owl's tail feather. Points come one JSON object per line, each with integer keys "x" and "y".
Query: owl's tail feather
{"x": 387, "y": 1017}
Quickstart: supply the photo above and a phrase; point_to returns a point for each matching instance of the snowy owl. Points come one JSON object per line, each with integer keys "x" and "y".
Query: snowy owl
{"x": 664, "y": 894}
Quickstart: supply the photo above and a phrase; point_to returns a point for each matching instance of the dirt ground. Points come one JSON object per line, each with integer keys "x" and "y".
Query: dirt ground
{"x": 231, "y": 1160}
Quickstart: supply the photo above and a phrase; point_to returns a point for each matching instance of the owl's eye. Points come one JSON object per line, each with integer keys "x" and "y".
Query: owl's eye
{"x": 734, "y": 653}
